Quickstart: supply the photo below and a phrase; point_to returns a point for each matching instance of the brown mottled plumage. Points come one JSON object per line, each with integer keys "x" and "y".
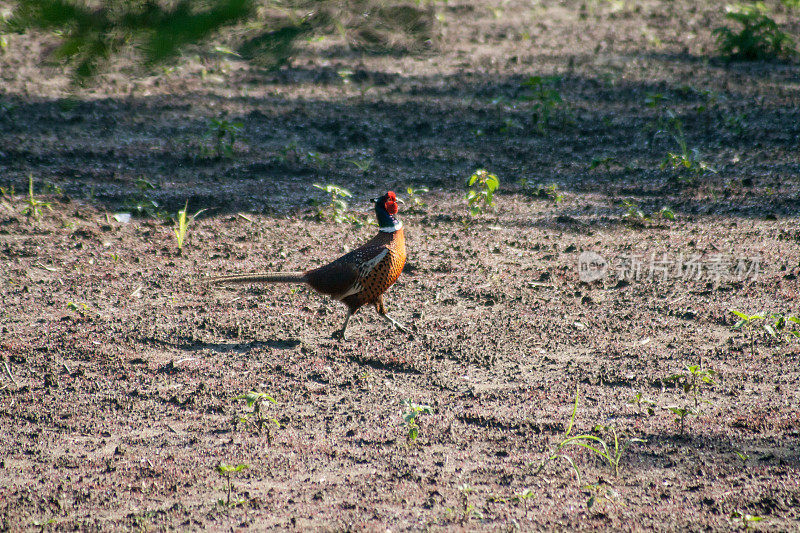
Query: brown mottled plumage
{"x": 357, "y": 278}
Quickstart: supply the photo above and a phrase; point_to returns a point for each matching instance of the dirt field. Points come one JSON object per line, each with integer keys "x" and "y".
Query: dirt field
{"x": 119, "y": 378}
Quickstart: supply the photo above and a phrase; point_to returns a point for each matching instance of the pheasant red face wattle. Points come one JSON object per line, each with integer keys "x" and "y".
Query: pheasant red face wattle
{"x": 391, "y": 203}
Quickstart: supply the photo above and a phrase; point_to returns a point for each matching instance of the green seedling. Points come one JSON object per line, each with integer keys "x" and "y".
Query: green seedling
{"x": 183, "y": 224}
{"x": 338, "y": 204}
{"x": 315, "y": 159}
{"x": 227, "y": 472}
{"x": 734, "y": 123}
{"x": 480, "y": 193}
{"x": 759, "y": 38}
{"x": 685, "y": 159}
{"x": 289, "y": 152}
{"x": 610, "y": 452}
{"x": 525, "y": 496}
{"x": 680, "y": 415}
{"x": 414, "y": 196}
{"x": 632, "y": 212}
{"x": 545, "y": 97}
{"x": 34, "y": 206}
{"x": 550, "y": 192}
{"x": 747, "y": 520}
{"x": 605, "y": 162}
{"x": 468, "y": 511}
{"x": 42, "y": 524}
{"x": 743, "y": 457}
{"x": 362, "y": 164}
{"x": 600, "y": 493}
{"x": 224, "y": 135}
{"x": 667, "y": 213}
{"x": 692, "y": 379}
{"x": 643, "y": 404}
{"x": 411, "y": 416}
{"x": 654, "y": 100}
{"x": 256, "y": 401}
{"x": 745, "y": 320}
{"x": 510, "y": 125}
{"x": 777, "y": 324}
{"x": 79, "y": 307}
{"x": 180, "y": 231}
{"x": 143, "y": 204}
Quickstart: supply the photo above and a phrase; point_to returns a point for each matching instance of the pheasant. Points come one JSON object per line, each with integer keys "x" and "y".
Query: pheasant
{"x": 356, "y": 279}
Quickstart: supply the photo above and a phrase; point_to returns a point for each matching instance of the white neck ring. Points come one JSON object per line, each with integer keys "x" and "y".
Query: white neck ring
{"x": 392, "y": 229}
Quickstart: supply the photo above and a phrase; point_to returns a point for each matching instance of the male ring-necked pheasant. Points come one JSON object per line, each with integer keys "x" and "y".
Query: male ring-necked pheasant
{"x": 357, "y": 278}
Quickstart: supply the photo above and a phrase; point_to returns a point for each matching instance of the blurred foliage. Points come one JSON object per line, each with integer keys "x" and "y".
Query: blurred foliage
{"x": 93, "y": 32}
{"x": 758, "y": 38}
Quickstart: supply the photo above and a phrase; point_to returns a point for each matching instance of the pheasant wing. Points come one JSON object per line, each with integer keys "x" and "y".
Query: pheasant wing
{"x": 342, "y": 277}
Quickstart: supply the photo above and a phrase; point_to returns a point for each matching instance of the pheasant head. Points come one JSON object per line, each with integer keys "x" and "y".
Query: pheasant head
{"x": 386, "y": 212}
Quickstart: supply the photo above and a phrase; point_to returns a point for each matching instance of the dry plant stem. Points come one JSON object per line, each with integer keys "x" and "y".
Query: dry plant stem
{"x": 8, "y": 371}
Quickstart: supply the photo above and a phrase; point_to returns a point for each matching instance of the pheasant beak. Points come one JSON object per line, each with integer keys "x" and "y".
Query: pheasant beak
{"x": 400, "y": 201}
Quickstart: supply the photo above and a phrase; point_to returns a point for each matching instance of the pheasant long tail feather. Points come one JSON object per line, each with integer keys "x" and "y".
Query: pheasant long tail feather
{"x": 259, "y": 277}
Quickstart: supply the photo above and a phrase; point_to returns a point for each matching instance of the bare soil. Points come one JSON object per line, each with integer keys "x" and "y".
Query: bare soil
{"x": 120, "y": 373}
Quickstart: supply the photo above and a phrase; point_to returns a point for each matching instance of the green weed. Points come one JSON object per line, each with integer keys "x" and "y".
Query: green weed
{"x": 414, "y": 196}
{"x": 227, "y": 472}
{"x": 224, "y": 135}
{"x": 338, "y": 204}
{"x": 34, "y": 206}
{"x": 775, "y": 325}
{"x": 183, "y": 224}
{"x": 550, "y": 192}
{"x": 605, "y": 162}
{"x": 79, "y": 307}
{"x": 541, "y": 90}
{"x": 180, "y": 231}
{"x": 362, "y": 164}
{"x": 747, "y": 520}
{"x": 685, "y": 159}
{"x": 601, "y": 493}
{"x": 743, "y": 457}
{"x": 610, "y": 451}
{"x": 654, "y": 100}
{"x": 256, "y": 401}
{"x": 410, "y": 418}
{"x": 468, "y": 510}
{"x": 632, "y": 212}
{"x": 735, "y": 123}
{"x": 643, "y": 404}
{"x": 680, "y": 415}
{"x": 525, "y": 496}
{"x": 480, "y": 193}
{"x": 691, "y": 380}
{"x": 758, "y": 38}
{"x": 510, "y": 125}
{"x": 143, "y": 203}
